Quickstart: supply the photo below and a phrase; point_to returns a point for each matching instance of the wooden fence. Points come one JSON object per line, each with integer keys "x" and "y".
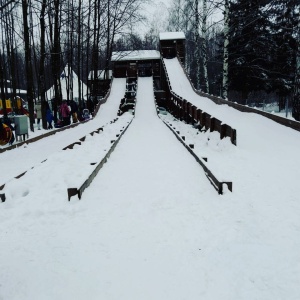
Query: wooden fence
{"x": 49, "y": 133}
{"x": 218, "y": 100}
{"x": 184, "y": 110}
{"x": 216, "y": 183}
{"x": 78, "y": 191}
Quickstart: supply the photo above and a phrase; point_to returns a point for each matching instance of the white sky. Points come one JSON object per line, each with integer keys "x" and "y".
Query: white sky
{"x": 151, "y": 226}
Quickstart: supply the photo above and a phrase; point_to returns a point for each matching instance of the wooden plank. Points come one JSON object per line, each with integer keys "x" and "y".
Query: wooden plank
{"x": 79, "y": 191}
{"x": 218, "y": 185}
{"x": 2, "y": 197}
{"x": 217, "y": 125}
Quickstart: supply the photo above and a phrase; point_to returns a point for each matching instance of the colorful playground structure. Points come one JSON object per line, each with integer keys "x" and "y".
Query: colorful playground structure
{"x": 6, "y": 128}
{"x": 18, "y": 106}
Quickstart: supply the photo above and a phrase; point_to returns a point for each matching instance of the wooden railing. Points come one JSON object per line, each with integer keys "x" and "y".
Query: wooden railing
{"x": 103, "y": 100}
{"x": 49, "y": 133}
{"x": 70, "y": 146}
{"x": 184, "y": 110}
{"x": 218, "y": 100}
{"x": 216, "y": 183}
{"x": 78, "y": 191}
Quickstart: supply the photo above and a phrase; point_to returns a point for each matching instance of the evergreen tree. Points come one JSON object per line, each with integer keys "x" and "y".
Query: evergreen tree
{"x": 286, "y": 19}
{"x": 249, "y": 47}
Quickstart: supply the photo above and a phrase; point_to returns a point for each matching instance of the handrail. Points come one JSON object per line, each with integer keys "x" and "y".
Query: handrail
{"x": 57, "y": 129}
{"x": 101, "y": 129}
{"x": 218, "y": 100}
{"x": 103, "y": 100}
{"x": 186, "y": 111}
{"x": 218, "y": 185}
{"x": 79, "y": 190}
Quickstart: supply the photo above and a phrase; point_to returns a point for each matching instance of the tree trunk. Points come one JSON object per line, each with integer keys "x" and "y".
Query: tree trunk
{"x": 42, "y": 65}
{"x": 95, "y": 47}
{"x": 108, "y": 40}
{"x": 79, "y": 50}
{"x": 55, "y": 58}
{"x": 204, "y": 47}
{"x": 29, "y": 76}
{"x": 3, "y": 96}
{"x": 225, "y": 54}
{"x": 197, "y": 47}
{"x": 13, "y": 65}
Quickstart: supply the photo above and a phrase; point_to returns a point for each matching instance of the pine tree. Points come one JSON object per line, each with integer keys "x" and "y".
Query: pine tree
{"x": 250, "y": 43}
{"x": 286, "y": 18}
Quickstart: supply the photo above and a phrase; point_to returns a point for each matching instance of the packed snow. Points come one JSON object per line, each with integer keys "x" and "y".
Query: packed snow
{"x": 151, "y": 226}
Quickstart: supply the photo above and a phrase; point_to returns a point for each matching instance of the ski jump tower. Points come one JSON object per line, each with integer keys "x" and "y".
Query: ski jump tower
{"x": 172, "y": 44}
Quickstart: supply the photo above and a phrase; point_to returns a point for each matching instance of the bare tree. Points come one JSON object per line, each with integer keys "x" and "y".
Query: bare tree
{"x": 55, "y": 53}
{"x": 225, "y": 54}
{"x": 29, "y": 74}
{"x": 204, "y": 46}
{"x": 197, "y": 46}
{"x": 41, "y": 78}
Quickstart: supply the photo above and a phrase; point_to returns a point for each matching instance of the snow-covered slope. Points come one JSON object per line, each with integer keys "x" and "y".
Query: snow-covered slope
{"x": 17, "y": 161}
{"x": 151, "y": 226}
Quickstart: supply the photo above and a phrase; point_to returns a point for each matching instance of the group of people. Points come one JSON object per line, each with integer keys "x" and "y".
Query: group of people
{"x": 49, "y": 115}
{"x": 67, "y": 111}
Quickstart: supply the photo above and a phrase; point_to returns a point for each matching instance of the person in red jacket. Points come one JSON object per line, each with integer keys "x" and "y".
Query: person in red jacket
{"x": 65, "y": 113}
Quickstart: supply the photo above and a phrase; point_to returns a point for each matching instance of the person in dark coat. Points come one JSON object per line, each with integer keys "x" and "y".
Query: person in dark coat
{"x": 74, "y": 111}
{"x": 49, "y": 116}
{"x": 65, "y": 113}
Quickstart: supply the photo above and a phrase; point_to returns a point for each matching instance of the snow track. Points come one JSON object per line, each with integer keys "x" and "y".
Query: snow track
{"x": 151, "y": 226}
{"x": 22, "y": 159}
{"x": 152, "y": 156}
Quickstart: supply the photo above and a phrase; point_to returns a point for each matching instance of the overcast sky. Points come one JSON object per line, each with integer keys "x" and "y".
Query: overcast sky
{"x": 156, "y": 12}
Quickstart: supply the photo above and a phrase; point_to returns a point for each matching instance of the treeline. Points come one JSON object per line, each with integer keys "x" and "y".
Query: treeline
{"x": 252, "y": 55}
{"x": 39, "y": 37}
{"x": 243, "y": 50}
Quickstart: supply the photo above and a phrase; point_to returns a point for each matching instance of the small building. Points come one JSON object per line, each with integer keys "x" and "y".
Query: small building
{"x": 136, "y": 63}
{"x": 172, "y": 44}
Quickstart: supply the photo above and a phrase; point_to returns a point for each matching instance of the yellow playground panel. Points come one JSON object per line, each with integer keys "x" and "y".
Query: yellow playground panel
{"x": 7, "y": 102}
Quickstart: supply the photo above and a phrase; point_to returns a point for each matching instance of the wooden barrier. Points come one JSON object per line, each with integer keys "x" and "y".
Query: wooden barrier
{"x": 67, "y": 147}
{"x": 2, "y": 197}
{"x": 35, "y": 139}
{"x": 79, "y": 190}
{"x": 218, "y": 100}
{"x": 102, "y": 101}
{"x": 184, "y": 110}
{"x": 218, "y": 185}
{"x": 52, "y": 132}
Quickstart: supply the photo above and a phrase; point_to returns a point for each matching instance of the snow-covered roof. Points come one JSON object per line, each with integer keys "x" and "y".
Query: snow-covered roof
{"x": 178, "y": 35}
{"x": 18, "y": 91}
{"x": 64, "y": 77}
{"x": 100, "y": 74}
{"x": 135, "y": 55}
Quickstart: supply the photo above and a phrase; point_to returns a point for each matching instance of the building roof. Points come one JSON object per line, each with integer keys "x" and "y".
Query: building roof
{"x": 135, "y": 55}
{"x": 64, "y": 77}
{"x": 100, "y": 74}
{"x": 179, "y": 35}
{"x": 18, "y": 91}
